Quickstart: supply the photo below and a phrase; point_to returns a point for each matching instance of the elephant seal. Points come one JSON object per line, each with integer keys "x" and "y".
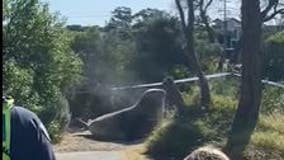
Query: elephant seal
{"x": 131, "y": 123}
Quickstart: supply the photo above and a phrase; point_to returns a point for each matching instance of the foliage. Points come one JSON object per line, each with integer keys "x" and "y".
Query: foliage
{"x": 142, "y": 47}
{"x": 121, "y": 19}
{"x": 39, "y": 64}
{"x": 177, "y": 137}
{"x": 209, "y": 54}
{"x": 158, "y": 44}
{"x": 274, "y": 57}
{"x": 135, "y": 51}
{"x": 179, "y": 72}
{"x": 271, "y": 104}
{"x": 100, "y": 50}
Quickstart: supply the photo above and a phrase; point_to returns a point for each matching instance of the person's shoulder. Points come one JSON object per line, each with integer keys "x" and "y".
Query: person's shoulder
{"x": 28, "y": 118}
{"x": 23, "y": 112}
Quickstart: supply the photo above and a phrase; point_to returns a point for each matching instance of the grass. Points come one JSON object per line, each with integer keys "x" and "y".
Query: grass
{"x": 134, "y": 153}
{"x": 267, "y": 142}
{"x": 272, "y": 122}
{"x": 177, "y": 137}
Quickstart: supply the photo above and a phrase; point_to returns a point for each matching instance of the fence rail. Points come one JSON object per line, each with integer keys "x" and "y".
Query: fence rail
{"x": 266, "y": 82}
{"x": 157, "y": 84}
{"x": 192, "y": 79}
{"x": 186, "y": 80}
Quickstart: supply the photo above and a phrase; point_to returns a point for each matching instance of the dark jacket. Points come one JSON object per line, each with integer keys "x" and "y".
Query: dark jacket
{"x": 29, "y": 138}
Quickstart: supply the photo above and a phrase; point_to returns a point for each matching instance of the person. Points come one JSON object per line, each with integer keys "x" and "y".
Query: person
{"x": 24, "y": 136}
{"x": 207, "y": 152}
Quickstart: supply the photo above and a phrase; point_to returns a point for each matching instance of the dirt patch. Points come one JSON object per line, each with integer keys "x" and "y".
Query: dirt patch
{"x": 82, "y": 141}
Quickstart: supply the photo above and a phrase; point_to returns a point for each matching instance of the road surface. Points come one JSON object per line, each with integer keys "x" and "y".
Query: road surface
{"x": 90, "y": 155}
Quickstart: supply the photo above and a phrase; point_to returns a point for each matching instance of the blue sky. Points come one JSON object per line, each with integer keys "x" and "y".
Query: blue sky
{"x": 98, "y": 12}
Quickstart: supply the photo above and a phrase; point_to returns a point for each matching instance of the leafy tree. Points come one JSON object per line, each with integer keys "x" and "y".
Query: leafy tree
{"x": 157, "y": 37}
{"x": 274, "y": 57}
{"x": 120, "y": 22}
{"x": 39, "y": 66}
{"x": 87, "y": 45}
{"x": 99, "y": 50}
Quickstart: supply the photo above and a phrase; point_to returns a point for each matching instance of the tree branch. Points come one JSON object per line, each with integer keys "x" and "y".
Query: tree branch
{"x": 269, "y": 17}
{"x": 271, "y": 4}
{"x": 207, "y": 5}
{"x": 190, "y": 13}
{"x": 181, "y": 14}
{"x": 201, "y": 4}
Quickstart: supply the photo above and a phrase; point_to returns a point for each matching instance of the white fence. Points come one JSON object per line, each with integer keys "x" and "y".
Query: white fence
{"x": 192, "y": 79}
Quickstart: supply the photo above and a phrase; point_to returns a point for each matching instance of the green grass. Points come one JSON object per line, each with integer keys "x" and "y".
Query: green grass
{"x": 267, "y": 142}
{"x": 177, "y": 137}
{"x": 273, "y": 122}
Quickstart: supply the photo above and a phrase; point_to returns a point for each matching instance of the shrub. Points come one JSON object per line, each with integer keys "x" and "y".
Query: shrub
{"x": 274, "y": 57}
{"x": 177, "y": 137}
{"x": 39, "y": 66}
{"x": 272, "y": 100}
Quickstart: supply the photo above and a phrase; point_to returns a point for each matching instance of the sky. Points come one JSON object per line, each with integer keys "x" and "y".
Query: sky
{"x": 98, "y": 12}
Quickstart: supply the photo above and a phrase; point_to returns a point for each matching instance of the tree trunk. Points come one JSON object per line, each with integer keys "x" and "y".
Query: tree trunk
{"x": 248, "y": 109}
{"x": 205, "y": 92}
{"x": 190, "y": 52}
{"x": 173, "y": 96}
{"x": 203, "y": 83}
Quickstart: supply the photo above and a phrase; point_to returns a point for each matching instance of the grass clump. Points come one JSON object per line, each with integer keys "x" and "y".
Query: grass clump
{"x": 267, "y": 142}
{"x": 179, "y": 136}
{"x": 273, "y": 122}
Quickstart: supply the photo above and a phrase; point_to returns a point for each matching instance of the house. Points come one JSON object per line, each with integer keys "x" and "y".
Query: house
{"x": 233, "y": 31}
{"x": 231, "y": 38}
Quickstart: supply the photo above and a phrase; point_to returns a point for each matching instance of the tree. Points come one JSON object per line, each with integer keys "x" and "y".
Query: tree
{"x": 120, "y": 21}
{"x": 203, "y": 8}
{"x": 251, "y": 87}
{"x": 157, "y": 36}
{"x": 188, "y": 30}
{"x": 145, "y": 15}
{"x": 87, "y": 45}
{"x": 39, "y": 65}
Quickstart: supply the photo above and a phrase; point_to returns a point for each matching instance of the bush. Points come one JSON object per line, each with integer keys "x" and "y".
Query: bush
{"x": 272, "y": 100}
{"x": 173, "y": 140}
{"x": 39, "y": 65}
{"x": 208, "y": 54}
{"x": 177, "y": 137}
{"x": 274, "y": 57}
